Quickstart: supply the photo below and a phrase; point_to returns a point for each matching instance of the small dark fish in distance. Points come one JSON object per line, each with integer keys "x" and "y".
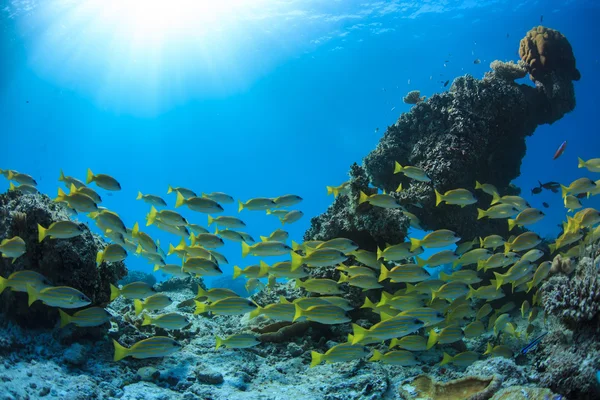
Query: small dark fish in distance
{"x": 477, "y": 61}
{"x": 446, "y": 83}
{"x": 376, "y": 130}
{"x": 546, "y": 205}
{"x": 561, "y": 149}
{"x": 446, "y": 60}
{"x": 582, "y": 195}
{"x": 550, "y": 185}
{"x": 533, "y": 343}
{"x": 537, "y": 189}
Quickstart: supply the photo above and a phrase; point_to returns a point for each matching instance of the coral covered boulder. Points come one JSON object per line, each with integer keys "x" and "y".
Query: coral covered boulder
{"x": 65, "y": 262}
{"x": 546, "y": 51}
{"x": 424, "y": 387}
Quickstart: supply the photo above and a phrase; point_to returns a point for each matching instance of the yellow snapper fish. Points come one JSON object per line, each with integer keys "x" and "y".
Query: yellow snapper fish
{"x": 450, "y": 334}
{"x": 400, "y": 302}
{"x": 180, "y": 231}
{"x": 323, "y": 257}
{"x": 484, "y": 310}
{"x": 109, "y": 220}
{"x": 496, "y": 260}
{"x": 114, "y": 252}
{"x": 227, "y": 306}
{"x": 459, "y": 197}
{"x": 586, "y": 218}
{"x": 342, "y": 352}
{"x": 227, "y": 222}
{"x": 410, "y": 342}
{"x": 282, "y": 311}
{"x": 463, "y": 247}
{"x": 77, "y": 201}
{"x": 187, "y": 193}
{"x": 435, "y": 239}
{"x": 593, "y": 164}
{"x": 302, "y": 246}
{"x": 474, "y": 329}
{"x": 151, "y": 199}
{"x": 93, "y": 316}
{"x": 199, "y": 204}
{"x": 12, "y": 248}
{"x": 528, "y": 216}
{"x": 415, "y": 222}
{"x": 58, "y": 296}
{"x": 525, "y": 307}
{"x": 415, "y": 173}
{"x": 287, "y": 200}
{"x": 321, "y": 286}
{"x": 207, "y": 240}
{"x": 256, "y": 204}
{"x": 87, "y": 191}
{"x": 356, "y": 270}
{"x": 410, "y": 273}
{"x": 379, "y": 200}
{"x": 572, "y": 203}
{"x": 465, "y": 275}
{"x": 265, "y": 249}
{"x": 472, "y": 257}
{"x": 524, "y": 241}
{"x": 214, "y": 294}
{"x": 219, "y": 197}
{"x": 59, "y": 230}
{"x": 229, "y": 234}
{"x": 516, "y": 201}
{"x": 450, "y": 291}
{"x": 463, "y": 359}
{"x": 342, "y": 244}
{"x": 69, "y": 180}
{"x": 195, "y": 228}
{"x": 498, "y": 211}
{"x": 389, "y": 328}
{"x": 366, "y": 257}
{"x": 396, "y": 357}
{"x": 365, "y": 282}
{"x": 532, "y": 255}
{"x": 340, "y": 302}
{"x": 283, "y": 269}
{"x": 155, "y": 302}
{"x": 133, "y": 290}
{"x": 171, "y": 269}
{"x": 324, "y": 314}
{"x": 378, "y": 309}
{"x": 487, "y": 188}
{"x": 238, "y": 341}
{"x": 541, "y": 273}
{"x": 487, "y": 293}
{"x": 344, "y": 188}
{"x": 21, "y": 178}
{"x": 516, "y": 272}
{"x": 578, "y": 186}
{"x": 429, "y": 316}
{"x": 291, "y": 217}
{"x": 157, "y": 346}
{"x": 491, "y": 242}
{"x": 251, "y": 271}
{"x": 144, "y": 239}
{"x": 165, "y": 216}
{"x": 277, "y": 213}
{"x": 166, "y": 321}
{"x": 102, "y": 180}
{"x": 565, "y": 239}
{"x": 201, "y": 267}
{"x": 498, "y": 351}
{"x": 437, "y": 259}
{"x": 500, "y": 322}
{"x": 26, "y": 189}
{"x": 425, "y": 287}
{"x": 18, "y": 281}
{"x": 398, "y": 252}
{"x": 278, "y": 235}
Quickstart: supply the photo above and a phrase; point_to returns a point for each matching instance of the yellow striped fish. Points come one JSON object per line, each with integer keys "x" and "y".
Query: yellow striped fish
{"x": 93, "y": 316}
{"x": 157, "y": 346}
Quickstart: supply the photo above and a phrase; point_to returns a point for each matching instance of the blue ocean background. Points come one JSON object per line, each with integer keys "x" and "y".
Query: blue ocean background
{"x": 260, "y": 100}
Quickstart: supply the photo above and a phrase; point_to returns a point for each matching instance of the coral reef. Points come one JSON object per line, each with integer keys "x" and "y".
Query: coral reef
{"x": 68, "y": 262}
{"x": 525, "y": 392}
{"x": 562, "y": 265}
{"x": 424, "y": 387}
{"x": 138, "y": 276}
{"x": 413, "y": 97}
{"x": 508, "y": 70}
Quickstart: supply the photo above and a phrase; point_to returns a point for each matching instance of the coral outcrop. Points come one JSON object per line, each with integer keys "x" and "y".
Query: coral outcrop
{"x": 413, "y": 97}
{"x": 509, "y": 71}
{"x": 68, "y": 262}
{"x": 424, "y": 387}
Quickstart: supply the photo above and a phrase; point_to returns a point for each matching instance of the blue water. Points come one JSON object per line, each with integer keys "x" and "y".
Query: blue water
{"x": 259, "y": 100}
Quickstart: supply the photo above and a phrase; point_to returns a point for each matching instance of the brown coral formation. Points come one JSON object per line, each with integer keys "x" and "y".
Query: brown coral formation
{"x": 413, "y": 97}
{"x": 523, "y": 392}
{"x": 562, "y": 265}
{"x": 509, "y": 71}
{"x": 546, "y": 51}
{"x": 424, "y": 387}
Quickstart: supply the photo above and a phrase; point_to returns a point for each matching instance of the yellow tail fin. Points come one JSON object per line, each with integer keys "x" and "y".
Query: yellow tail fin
{"x": 564, "y": 191}
{"x": 169, "y": 190}
{"x": 499, "y": 280}
{"x": 120, "y": 351}
{"x": 245, "y": 249}
{"x": 377, "y": 355}
{"x": 62, "y": 196}
{"x": 447, "y": 358}
{"x": 139, "y": 196}
{"x": 363, "y": 198}
{"x": 299, "y": 312}
{"x": 41, "y": 233}
{"x": 219, "y": 342}
{"x": 414, "y": 244}
{"x": 495, "y": 199}
{"x": 12, "y": 187}
{"x": 180, "y": 200}
{"x": 114, "y": 292}
{"x": 421, "y": 262}
{"x": 478, "y": 185}
{"x": 32, "y": 295}
{"x": 200, "y": 307}
{"x": 237, "y": 271}
{"x": 139, "y": 307}
{"x": 471, "y": 293}
{"x": 384, "y": 273}
{"x": 379, "y": 253}
{"x": 210, "y": 220}
{"x": 152, "y": 215}
{"x": 581, "y": 163}
{"x": 359, "y": 333}
{"x": 240, "y": 206}
{"x": 343, "y": 278}
{"x": 316, "y": 358}
{"x": 397, "y": 167}
{"x": 438, "y": 197}
{"x": 330, "y": 191}
{"x": 90, "y": 176}
{"x": 511, "y": 224}
{"x": 480, "y": 213}
{"x": 99, "y": 258}
{"x": 297, "y": 261}
{"x": 432, "y": 339}
{"x": 65, "y": 319}
{"x": 62, "y": 176}
{"x": 147, "y": 320}
{"x": 3, "y": 284}
{"x": 263, "y": 269}
{"x": 368, "y": 303}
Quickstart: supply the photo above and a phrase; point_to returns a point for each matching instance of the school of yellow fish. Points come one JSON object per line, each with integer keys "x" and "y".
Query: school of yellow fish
{"x": 414, "y": 319}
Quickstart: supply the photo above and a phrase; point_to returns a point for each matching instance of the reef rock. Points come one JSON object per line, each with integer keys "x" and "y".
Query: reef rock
{"x": 65, "y": 262}
{"x": 424, "y": 387}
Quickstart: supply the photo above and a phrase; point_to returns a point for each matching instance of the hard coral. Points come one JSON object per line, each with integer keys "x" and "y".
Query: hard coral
{"x": 413, "y": 97}
{"x": 524, "y": 392}
{"x": 508, "y": 70}
{"x": 562, "y": 265}
{"x": 546, "y": 51}
{"x": 424, "y": 387}
{"x": 573, "y": 300}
